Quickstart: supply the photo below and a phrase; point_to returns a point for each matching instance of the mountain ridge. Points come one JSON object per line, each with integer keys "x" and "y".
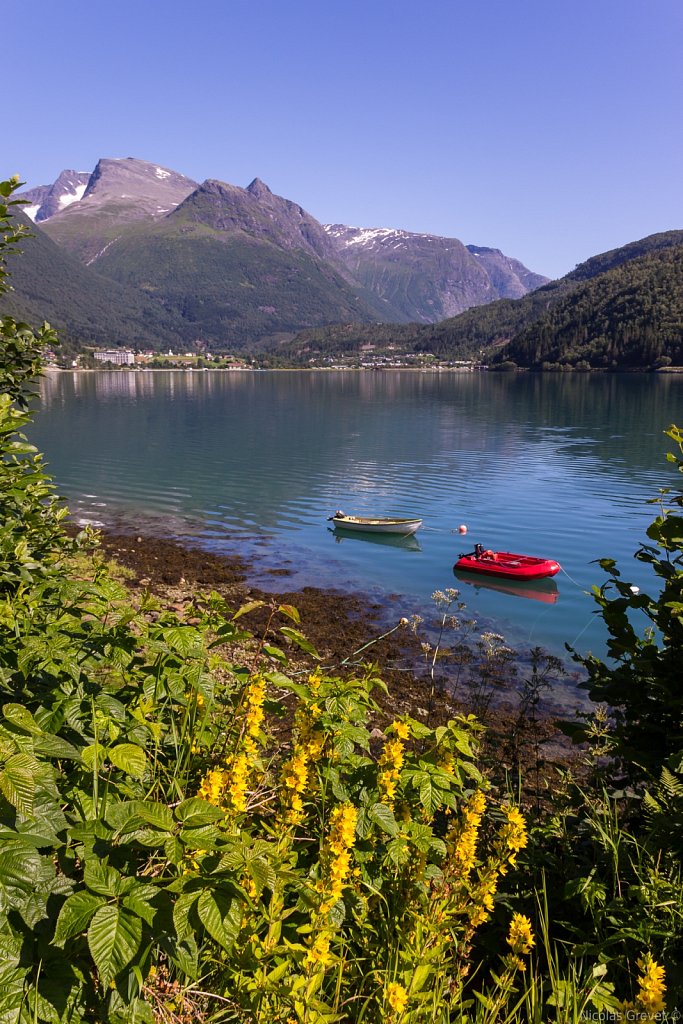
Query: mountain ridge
{"x": 596, "y": 312}
{"x": 125, "y": 200}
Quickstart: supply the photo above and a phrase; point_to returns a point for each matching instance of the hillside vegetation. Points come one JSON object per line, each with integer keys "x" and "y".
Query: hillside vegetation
{"x": 625, "y": 318}
{"x": 50, "y": 284}
{"x": 617, "y": 310}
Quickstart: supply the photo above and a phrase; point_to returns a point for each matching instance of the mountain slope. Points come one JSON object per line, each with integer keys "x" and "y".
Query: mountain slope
{"x": 119, "y": 194}
{"x": 619, "y": 308}
{"x": 48, "y": 200}
{"x": 629, "y": 316}
{"x": 50, "y": 284}
{"x": 426, "y": 277}
{"x": 395, "y": 276}
{"x": 237, "y": 266}
{"x": 510, "y": 278}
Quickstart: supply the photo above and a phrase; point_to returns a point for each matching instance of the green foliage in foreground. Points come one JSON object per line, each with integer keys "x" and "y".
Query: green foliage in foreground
{"x": 643, "y": 684}
{"x": 169, "y": 852}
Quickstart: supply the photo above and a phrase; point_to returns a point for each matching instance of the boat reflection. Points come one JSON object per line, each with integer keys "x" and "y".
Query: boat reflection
{"x": 536, "y": 590}
{"x": 388, "y": 540}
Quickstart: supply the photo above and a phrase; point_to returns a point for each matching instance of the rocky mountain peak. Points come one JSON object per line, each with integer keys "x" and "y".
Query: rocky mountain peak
{"x": 509, "y": 277}
{"x": 120, "y": 192}
{"x": 258, "y": 188}
{"x": 258, "y": 212}
{"x": 47, "y": 200}
{"x": 144, "y": 183}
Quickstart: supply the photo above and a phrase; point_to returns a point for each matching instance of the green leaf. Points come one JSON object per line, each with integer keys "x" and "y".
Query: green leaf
{"x": 196, "y": 812}
{"x": 300, "y": 640}
{"x": 221, "y": 915}
{"x": 291, "y": 612}
{"x": 384, "y": 817}
{"x": 22, "y": 871}
{"x": 136, "y": 814}
{"x": 29, "y": 838}
{"x": 419, "y": 976}
{"x": 130, "y": 758}
{"x": 250, "y": 606}
{"x": 181, "y": 914}
{"x": 183, "y": 639}
{"x": 55, "y": 746}
{"x": 75, "y": 915}
{"x": 17, "y": 782}
{"x": 21, "y": 717}
{"x": 114, "y": 937}
{"x": 398, "y": 851}
{"x": 140, "y": 906}
{"x": 275, "y": 652}
{"x": 101, "y": 878}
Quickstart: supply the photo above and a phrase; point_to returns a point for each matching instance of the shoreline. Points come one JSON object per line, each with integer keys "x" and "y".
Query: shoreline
{"x": 349, "y": 630}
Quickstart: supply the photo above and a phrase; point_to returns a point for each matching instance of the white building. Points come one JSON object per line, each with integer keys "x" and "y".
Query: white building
{"x": 118, "y": 356}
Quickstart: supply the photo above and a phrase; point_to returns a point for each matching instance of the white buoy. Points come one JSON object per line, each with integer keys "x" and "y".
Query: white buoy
{"x": 462, "y": 528}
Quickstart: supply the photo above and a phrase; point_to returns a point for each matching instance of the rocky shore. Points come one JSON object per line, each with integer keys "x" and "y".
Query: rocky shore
{"x": 348, "y": 630}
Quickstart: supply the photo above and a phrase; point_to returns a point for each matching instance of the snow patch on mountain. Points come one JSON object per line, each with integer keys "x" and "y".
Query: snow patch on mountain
{"x": 32, "y": 211}
{"x": 72, "y": 197}
{"x": 366, "y": 237}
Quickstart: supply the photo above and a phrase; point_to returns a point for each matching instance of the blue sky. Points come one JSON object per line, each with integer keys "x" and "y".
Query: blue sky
{"x": 551, "y": 130}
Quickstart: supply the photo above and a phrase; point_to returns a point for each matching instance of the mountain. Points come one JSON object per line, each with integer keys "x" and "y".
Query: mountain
{"x": 510, "y": 278}
{"x": 118, "y": 195}
{"x": 47, "y": 200}
{"x": 620, "y": 309}
{"x": 50, "y": 284}
{"x": 427, "y": 278}
{"x": 630, "y": 316}
{"x": 242, "y": 266}
{"x": 238, "y": 266}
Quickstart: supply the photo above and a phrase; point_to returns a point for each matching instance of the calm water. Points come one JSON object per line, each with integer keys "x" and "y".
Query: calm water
{"x": 559, "y": 466}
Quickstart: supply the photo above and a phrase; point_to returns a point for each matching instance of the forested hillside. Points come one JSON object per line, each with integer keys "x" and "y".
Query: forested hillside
{"x": 622, "y": 308}
{"x": 87, "y": 308}
{"x": 629, "y": 317}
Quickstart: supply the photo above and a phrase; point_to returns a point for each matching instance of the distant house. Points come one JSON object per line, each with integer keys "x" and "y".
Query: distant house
{"x": 118, "y": 356}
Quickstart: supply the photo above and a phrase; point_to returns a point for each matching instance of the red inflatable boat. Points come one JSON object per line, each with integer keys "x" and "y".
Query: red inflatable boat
{"x": 505, "y": 563}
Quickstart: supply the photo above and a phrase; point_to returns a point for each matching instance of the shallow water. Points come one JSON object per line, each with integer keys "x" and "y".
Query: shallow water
{"x": 555, "y": 465}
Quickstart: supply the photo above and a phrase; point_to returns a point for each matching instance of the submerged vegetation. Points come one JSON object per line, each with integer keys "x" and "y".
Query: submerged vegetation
{"x": 195, "y": 830}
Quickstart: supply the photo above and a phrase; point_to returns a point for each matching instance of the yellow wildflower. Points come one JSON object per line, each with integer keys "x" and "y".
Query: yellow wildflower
{"x": 390, "y": 763}
{"x": 512, "y": 836}
{"x": 295, "y": 779}
{"x": 396, "y": 996}
{"x": 651, "y": 987}
{"x": 482, "y": 896}
{"x": 337, "y": 854}
{"x": 212, "y": 787}
{"x": 253, "y": 699}
{"x": 401, "y": 729}
{"x": 463, "y": 835}
{"x": 520, "y": 937}
{"x": 238, "y": 781}
{"x": 319, "y": 953}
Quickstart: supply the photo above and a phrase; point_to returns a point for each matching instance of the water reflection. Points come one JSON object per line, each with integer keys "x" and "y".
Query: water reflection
{"x": 387, "y": 540}
{"x": 533, "y": 590}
